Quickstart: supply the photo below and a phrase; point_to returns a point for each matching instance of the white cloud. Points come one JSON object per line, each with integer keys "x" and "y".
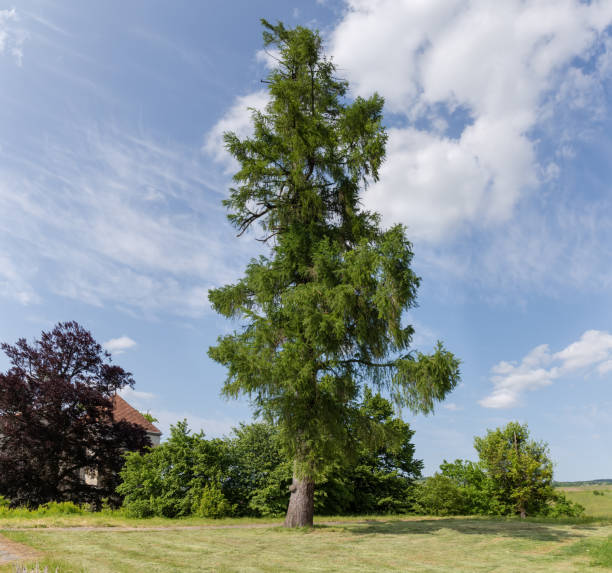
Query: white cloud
{"x": 605, "y": 367}
{"x": 435, "y": 184}
{"x": 132, "y": 396}
{"x": 477, "y": 90}
{"x": 504, "y": 65}
{"x": 12, "y": 36}
{"x": 268, "y": 57}
{"x": 111, "y": 217}
{"x": 593, "y": 347}
{"x": 119, "y": 345}
{"x": 238, "y": 120}
{"x": 540, "y": 368}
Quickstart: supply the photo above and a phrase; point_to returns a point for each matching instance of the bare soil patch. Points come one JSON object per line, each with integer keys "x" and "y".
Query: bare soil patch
{"x": 12, "y": 551}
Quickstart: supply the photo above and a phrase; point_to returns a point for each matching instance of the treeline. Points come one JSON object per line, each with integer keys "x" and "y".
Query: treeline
{"x": 248, "y": 474}
{"x": 582, "y": 483}
{"x": 57, "y": 428}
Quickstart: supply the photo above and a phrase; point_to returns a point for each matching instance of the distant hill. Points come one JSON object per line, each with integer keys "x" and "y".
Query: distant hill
{"x": 579, "y": 483}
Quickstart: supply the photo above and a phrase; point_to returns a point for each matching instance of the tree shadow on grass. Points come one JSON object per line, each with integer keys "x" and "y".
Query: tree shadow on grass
{"x": 514, "y": 529}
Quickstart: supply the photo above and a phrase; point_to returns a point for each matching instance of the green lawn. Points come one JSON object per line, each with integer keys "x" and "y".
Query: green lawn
{"x": 401, "y": 543}
{"x": 411, "y": 544}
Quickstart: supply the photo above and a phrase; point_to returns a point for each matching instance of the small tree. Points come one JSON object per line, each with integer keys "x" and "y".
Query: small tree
{"x": 56, "y": 419}
{"x": 519, "y": 469}
{"x": 512, "y": 476}
{"x": 323, "y": 315}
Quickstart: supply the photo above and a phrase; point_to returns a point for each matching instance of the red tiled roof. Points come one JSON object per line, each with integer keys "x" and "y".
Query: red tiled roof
{"x": 123, "y": 411}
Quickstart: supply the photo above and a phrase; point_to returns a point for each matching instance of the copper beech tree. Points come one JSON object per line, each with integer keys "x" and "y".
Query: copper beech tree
{"x": 322, "y": 316}
{"x": 56, "y": 420}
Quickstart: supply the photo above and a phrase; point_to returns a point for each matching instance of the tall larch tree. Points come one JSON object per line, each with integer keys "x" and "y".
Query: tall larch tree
{"x": 321, "y": 317}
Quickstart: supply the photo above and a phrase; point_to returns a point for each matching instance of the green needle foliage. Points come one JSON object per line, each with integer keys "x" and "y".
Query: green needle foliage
{"x": 321, "y": 316}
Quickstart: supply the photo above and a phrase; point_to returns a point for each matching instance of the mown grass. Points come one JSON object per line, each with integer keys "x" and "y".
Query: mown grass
{"x": 417, "y": 544}
{"x": 346, "y": 543}
{"x": 598, "y": 551}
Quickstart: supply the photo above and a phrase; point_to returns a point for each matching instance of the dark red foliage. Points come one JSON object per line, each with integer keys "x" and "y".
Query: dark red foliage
{"x": 56, "y": 419}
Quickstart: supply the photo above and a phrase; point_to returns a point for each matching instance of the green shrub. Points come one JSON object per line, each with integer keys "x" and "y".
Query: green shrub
{"x": 168, "y": 480}
{"x": 253, "y": 472}
{"x": 213, "y": 503}
{"x": 440, "y": 495}
{"x": 139, "y": 508}
{"x": 60, "y": 508}
{"x": 53, "y": 508}
{"x": 474, "y": 486}
{"x": 563, "y": 507}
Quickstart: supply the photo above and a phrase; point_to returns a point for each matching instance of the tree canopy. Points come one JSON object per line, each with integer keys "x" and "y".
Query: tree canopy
{"x": 56, "y": 419}
{"x": 323, "y": 314}
{"x": 513, "y": 476}
{"x": 177, "y": 478}
{"x": 519, "y": 468}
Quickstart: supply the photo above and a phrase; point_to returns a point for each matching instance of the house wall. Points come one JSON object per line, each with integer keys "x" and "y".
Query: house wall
{"x": 155, "y": 438}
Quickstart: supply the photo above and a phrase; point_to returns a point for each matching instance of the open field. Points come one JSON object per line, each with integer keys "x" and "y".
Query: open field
{"x": 595, "y": 505}
{"x": 409, "y": 544}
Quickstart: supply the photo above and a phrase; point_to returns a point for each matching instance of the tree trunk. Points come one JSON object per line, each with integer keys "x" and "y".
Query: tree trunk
{"x": 523, "y": 512}
{"x": 300, "y": 512}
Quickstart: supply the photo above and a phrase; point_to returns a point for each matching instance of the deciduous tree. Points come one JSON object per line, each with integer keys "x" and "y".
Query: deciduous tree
{"x": 56, "y": 419}
{"x": 182, "y": 476}
{"x": 513, "y": 476}
{"x": 519, "y": 468}
{"x": 323, "y": 315}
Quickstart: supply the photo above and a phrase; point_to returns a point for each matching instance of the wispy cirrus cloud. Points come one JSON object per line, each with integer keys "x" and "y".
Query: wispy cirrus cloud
{"x": 12, "y": 35}
{"x": 452, "y": 407}
{"x": 114, "y": 218}
{"x": 540, "y": 368}
{"x": 14, "y": 280}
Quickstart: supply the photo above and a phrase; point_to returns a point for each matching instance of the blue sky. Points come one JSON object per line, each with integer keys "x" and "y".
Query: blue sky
{"x": 499, "y": 162}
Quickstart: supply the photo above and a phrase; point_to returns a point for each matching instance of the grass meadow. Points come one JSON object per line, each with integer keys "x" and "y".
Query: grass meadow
{"x": 597, "y": 500}
{"x": 113, "y": 543}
